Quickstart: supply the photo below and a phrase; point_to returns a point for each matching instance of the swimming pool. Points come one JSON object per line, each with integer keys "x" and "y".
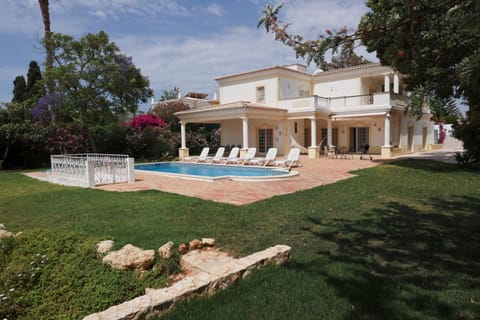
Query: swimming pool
{"x": 215, "y": 171}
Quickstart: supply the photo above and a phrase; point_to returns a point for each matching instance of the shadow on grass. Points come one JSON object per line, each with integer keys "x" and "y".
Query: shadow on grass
{"x": 431, "y": 165}
{"x": 399, "y": 262}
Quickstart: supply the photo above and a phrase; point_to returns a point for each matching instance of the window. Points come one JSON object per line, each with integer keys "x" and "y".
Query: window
{"x": 304, "y": 92}
{"x": 265, "y": 140}
{"x": 260, "y": 94}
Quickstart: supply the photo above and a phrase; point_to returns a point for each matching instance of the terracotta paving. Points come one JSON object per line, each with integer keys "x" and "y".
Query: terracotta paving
{"x": 313, "y": 173}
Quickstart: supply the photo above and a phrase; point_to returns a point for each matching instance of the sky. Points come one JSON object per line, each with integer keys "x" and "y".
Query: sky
{"x": 182, "y": 43}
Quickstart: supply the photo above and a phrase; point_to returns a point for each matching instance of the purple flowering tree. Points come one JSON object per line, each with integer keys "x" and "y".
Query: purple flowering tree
{"x": 44, "y": 110}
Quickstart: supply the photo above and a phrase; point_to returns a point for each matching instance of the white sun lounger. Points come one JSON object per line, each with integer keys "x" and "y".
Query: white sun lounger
{"x": 218, "y": 156}
{"x": 232, "y": 156}
{"x": 267, "y": 160}
{"x": 292, "y": 159}
{"x": 202, "y": 157}
{"x": 249, "y": 156}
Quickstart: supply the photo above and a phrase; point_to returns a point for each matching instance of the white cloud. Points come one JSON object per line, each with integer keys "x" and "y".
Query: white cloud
{"x": 312, "y": 17}
{"x": 215, "y": 9}
{"x": 192, "y": 63}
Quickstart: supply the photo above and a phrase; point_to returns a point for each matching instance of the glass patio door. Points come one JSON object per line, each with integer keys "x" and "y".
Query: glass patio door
{"x": 265, "y": 140}
{"x": 358, "y": 137}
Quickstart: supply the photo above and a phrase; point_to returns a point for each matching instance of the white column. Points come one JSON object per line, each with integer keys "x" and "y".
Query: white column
{"x": 329, "y": 132}
{"x": 387, "y": 131}
{"x": 245, "y": 132}
{"x": 89, "y": 174}
{"x": 313, "y": 128}
{"x": 183, "y": 134}
{"x": 396, "y": 83}
{"x": 387, "y": 83}
{"x": 130, "y": 170}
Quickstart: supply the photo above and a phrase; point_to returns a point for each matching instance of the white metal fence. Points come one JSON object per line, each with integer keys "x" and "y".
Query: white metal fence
{"x": 91, "y": 169}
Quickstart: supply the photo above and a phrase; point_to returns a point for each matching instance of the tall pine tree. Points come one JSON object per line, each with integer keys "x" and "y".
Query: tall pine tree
{"x": 34, "y": 77}
{"x": 19, "y": 87}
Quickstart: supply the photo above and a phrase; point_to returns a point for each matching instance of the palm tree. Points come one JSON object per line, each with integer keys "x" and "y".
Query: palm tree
{"x": 269, "y": 17}
{"x": 48, "y": 35}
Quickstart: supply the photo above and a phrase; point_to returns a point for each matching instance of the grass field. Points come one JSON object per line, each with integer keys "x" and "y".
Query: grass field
{"x": 400, "y": 241}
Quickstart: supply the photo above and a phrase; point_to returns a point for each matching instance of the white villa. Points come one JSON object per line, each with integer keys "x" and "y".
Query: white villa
{"x": 285, "y": 106}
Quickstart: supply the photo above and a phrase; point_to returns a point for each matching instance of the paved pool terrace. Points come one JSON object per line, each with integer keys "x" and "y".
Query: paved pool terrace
{"x": 312, "y": 173}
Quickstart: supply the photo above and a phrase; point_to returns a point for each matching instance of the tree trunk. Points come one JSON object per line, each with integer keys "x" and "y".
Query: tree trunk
{"x": 47, "y": 39}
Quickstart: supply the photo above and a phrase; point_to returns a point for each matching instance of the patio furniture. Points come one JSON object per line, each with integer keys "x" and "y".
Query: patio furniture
{"x": 365, "y": 153}
{"x": 291, "y": 160}
{"x": 232, "y": 156}
{"x": 202, "y": 157}
{"x": 249, "y": 156}
{"x": 267, "y": 160}
{"x": 218, "y": 155}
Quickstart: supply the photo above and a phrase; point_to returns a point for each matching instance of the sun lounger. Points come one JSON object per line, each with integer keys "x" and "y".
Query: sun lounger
{"x": 218, "y": 156}
{"x": 202, "y": 157}
{"x": 232, "y": 156}
{"x": 267, "y": 160}
{"x": 249, "y": 156}
{"x": 292, "y": 159}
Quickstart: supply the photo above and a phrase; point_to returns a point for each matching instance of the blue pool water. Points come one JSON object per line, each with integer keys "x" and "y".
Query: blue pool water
{"x": 207, "y": 170}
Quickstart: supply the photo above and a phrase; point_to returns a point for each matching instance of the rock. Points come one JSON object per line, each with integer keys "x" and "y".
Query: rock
{"x": 165, "y": 251}
{"x": 195, "y": 244}
{"x": 104, "y": 246}
{"x": 182, "y": 248}
{"x": 210, "y": 242}
{"x": 130, "y": 257}
{"x": 6, "y": 234}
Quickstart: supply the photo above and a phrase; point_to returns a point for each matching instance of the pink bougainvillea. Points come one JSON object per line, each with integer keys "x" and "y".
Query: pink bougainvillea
{"x": 442, "y": 133}
{"x": 146, "y": 120}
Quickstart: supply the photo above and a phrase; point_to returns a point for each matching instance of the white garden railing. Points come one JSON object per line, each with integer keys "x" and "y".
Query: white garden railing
{"x": 91, "y": 169}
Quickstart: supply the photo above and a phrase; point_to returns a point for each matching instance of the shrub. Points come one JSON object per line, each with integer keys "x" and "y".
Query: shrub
{"x": 111, "y": 138}
{"x": 59, "y": 275}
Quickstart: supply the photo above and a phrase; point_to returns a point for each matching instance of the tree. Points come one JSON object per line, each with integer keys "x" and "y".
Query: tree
{"x": 170, "y": 94}
{"x": 48, "y": 35}
{"x": 346, "y": 58}
{"x": 96, "y": 82}
{"x": 431, "y": 42}
{"x": 34, "y": 78}
{"x": 19, "y": 86}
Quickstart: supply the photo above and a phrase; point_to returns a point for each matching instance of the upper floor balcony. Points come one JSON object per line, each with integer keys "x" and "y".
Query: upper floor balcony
{"x": 345, "y": 103}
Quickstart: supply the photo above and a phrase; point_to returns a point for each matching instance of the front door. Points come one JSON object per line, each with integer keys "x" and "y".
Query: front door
{"x": 358, "y": 137}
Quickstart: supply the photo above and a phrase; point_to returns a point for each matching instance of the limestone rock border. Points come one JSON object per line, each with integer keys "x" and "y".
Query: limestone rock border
{"x": 157, "y": 302}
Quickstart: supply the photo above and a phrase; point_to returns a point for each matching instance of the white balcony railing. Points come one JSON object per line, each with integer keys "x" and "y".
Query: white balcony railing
{"x": 332, "y": 104}
{"x": 91, "y": 169}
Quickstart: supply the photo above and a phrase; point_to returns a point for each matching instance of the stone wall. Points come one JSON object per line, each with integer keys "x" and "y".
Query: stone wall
{"x": 202, "y": 282}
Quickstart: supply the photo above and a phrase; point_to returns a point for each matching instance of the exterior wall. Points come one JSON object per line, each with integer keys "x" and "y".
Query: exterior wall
{"x": 290, "y": 87}
{"x": 417, "y": 130}
{"x": 299, "y": 135}
{"x": 246, "y": 91}
{"x": 371, "y": 85}
{"x": 231, "y": 132}
{"x": 338, "y": 88}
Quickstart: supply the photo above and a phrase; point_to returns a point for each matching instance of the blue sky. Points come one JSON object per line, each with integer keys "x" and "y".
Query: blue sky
{"x": 181, "y": 43}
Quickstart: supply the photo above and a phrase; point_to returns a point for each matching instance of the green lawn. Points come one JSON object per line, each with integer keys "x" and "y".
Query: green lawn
{"x": 399, "y": 241}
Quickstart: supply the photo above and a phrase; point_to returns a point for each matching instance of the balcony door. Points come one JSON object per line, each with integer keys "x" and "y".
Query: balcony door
{"x": 358, "y": 137}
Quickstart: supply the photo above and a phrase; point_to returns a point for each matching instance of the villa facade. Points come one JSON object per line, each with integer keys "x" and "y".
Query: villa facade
{"x": 285, "y": 106}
